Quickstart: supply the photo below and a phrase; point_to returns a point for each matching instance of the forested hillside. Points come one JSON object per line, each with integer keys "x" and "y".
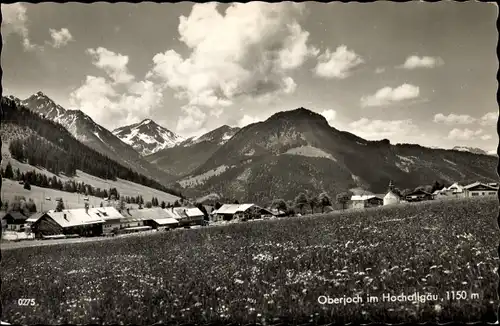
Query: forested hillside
{"x": 54, "y": 148}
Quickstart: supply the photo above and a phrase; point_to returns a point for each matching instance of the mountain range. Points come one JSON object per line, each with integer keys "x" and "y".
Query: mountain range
{"x": 193, "y": 152}
{"x": 147, "y": 137}
{"x": 291, "y": 152}
{"x": 83, "y": 128}
{"x": 298, "y": 150}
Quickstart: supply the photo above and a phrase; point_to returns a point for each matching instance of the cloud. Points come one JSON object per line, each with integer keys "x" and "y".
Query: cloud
{"x": 99, "y": 98}
{"x": 453, "y": 118}
{"x": 414, "y": 62}
{"x": 337, "y": 64}
{"x": 248, "y": 51}
{"x": 114, "y": 64}
{"x": 247, "y": 120}
{"x": 486, "y": 137}
{"x": 489, "y": 119}
{"x": 379, "y": 70}
{"x": 329, "y": 115}
{"x": 60, "y": 38}
{"x": 388, "y": 95}
{"x": 14, "y": 20}
{"x": 378, "y": 129}
{"x": 192, "y": 121}
{"x": 464, "y": 134}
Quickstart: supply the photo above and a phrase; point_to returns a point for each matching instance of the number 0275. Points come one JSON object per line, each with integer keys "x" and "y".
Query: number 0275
{"x": 26, "y": 302}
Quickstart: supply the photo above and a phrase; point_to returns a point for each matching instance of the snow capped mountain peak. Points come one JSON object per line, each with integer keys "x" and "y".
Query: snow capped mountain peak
{"x": 220, "y": 135}
{"x": 147, "y": 137}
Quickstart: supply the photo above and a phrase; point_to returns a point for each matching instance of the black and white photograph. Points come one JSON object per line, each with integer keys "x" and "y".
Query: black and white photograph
{"x": 288, "y": 163}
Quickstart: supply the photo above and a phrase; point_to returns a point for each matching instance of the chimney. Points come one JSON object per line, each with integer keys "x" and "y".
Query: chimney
{"x": 128, "y": 211}
{"x": 65, "y": 217}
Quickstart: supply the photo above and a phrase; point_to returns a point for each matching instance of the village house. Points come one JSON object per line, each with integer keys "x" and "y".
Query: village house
{"x": 228, "y": 212}
{"x": 132, "y": 222}
{"x": 15, "y": 221}
{"x": 366, "y": 201}
{"x": 418, "y": 195}
{"x": 111, "y": 216}
{"x": 479, "y": 189}
{"x": 78, "y": 221}
{"x": 186, "y": 216}
{"x": 155, "y": 218}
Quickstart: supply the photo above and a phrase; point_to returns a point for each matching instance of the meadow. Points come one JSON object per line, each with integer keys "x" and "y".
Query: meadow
{"x": 269, "y": 272}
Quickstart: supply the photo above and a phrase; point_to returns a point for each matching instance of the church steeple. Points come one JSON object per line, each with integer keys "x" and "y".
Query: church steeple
{"x": 391, "y": 186}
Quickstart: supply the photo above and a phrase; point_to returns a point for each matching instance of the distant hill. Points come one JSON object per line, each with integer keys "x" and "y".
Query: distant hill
{"x": 83, "y": 128}
{"x": 191, "y": 153}
{"x": 37, "y": 141}
{"x": 296, "y": 151}
{"x": 474, "y": 150}
{"x": 147, "y": 137}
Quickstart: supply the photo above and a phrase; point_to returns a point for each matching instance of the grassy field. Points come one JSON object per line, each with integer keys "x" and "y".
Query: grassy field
{"x": 269, "y": 272}
{"x": 11, "y": 189}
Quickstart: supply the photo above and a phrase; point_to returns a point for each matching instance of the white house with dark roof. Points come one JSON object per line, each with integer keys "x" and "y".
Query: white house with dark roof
{"x": 366, "y": 201}
{"x": 228, "y": 212}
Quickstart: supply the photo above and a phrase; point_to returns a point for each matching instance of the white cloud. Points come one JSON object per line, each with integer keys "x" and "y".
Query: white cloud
{"x": 388, "y": 95}
{"x": 329, "y": 115}
{"x": 378, "y": 129}
{"x": 248, "y": 51}
{"x": 453, "y": 118}
{"x": 489, "y": 119}
{"x": 337, "y": 64}
{"x": 114, "y": 64}
{"x": 14, "y": 20}
{"x": 98, "y": 98}
{"x": 414, "y": 62}
{"x": 247, "y": 120}
{"x": 60, "y": 38}
{"x": 379, "y": 70}
{"x": 486, "y": 137}
{"x": 191, "y": 122}
{"x": 464, "y": 134}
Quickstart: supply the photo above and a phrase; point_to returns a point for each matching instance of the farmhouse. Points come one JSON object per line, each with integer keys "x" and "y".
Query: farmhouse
{"x": 479, "y": 189}
{"x": 186, "y": 216}
{"x": 79, "y": 221}
{"x": 132, "y": 222}
{"x": 366, "y": 201}
{"x": 229, "y": 212}
{"x": 14, "y": 221}
{"x": 112, "y": 218}
{"x": 155, "y": 218}
{"x": 418, "y": 195}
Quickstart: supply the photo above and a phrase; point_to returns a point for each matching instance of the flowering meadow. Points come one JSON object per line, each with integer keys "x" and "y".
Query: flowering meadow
{"x": 269, "y": 272}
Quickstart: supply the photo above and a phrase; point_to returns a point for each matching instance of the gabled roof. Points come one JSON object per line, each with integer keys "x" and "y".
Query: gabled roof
{"x": 475, "y": 184}
{"x": 18, "y": 216}
{"x": 166, "y": 221}
{"x": 74, "y": 217}
{"x": 364, "y": 197}
{"x": 194, "y": 212}
{"x": 149, "y": 213}
{"x": 233, "y": 208}
{"x": 35, "y": 217}
{"x": 418, "y": 192}
{"x": 106, "y": 213}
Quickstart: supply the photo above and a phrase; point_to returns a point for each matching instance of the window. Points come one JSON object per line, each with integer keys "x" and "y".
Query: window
{"x": 475, "y": 194}
{"x": 482, "y": 193}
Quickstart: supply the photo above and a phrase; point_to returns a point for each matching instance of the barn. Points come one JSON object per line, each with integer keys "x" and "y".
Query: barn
{"x": 229, "y": 212}
{"x": 79, "y": 221}
{"x": 366, "y": 201}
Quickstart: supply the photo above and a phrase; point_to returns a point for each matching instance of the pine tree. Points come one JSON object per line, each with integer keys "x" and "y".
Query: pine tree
{"x": 9, "y": 174}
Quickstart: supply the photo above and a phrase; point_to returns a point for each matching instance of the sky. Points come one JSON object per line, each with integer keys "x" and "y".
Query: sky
{"x": 411, "y": 72}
